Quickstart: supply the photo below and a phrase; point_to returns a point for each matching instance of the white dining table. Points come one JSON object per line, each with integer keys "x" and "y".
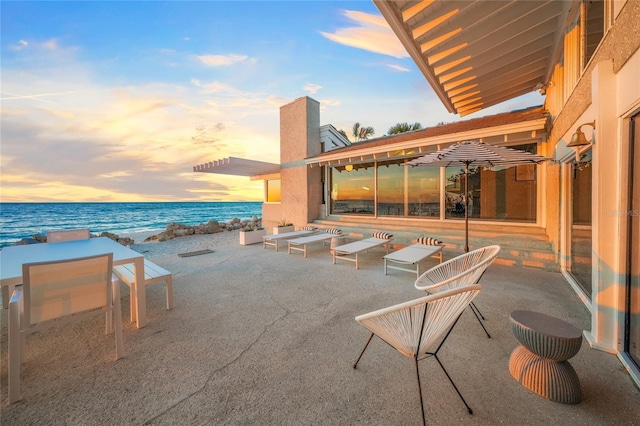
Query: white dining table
{"x": 13, "y": 257}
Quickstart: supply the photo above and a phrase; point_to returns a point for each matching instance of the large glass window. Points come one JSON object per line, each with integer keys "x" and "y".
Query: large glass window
{"x": 632, "y": 334}
{"x": 424, "y": 191}
{"x": 454, "y": 191}
{"x": 594, "y": 31}
{"x": 504, "y": 194}
{"x": 391, "y": 189}
{"x": 352, "y": 190}
{"x": 508, "y": 194}
{"x": 581, "y": 222}
{"x": 273, "y": 191}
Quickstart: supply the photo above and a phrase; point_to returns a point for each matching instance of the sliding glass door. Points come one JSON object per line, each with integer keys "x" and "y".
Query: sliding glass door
{"x": 632, "y": 334}
{"x": 581, "y": 238}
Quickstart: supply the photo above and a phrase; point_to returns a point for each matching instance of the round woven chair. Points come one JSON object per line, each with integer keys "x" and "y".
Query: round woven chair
{"x": 463, "y": 270}
{"x": 418, "y": 328}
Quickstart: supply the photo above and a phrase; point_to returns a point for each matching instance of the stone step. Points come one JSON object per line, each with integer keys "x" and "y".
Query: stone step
{"x": 525, "y": 246}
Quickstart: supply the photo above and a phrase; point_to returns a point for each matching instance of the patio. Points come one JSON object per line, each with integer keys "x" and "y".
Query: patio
{"x": 263, "y": 337}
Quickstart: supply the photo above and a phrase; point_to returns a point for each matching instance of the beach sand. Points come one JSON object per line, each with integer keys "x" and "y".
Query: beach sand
{"x": 175, "y": 246}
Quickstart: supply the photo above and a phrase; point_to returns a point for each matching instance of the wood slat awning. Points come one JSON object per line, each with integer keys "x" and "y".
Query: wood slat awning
{"x": 238, "y": 167}
{"x": 476, "y": 54}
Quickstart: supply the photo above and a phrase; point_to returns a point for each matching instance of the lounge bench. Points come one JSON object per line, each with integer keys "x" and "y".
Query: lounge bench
{"x": 272, "y": 240}
{"x": 411, "y": 255}
{"x": 357, "y": 247}
{"x": 152, "y": 274}
{"x": 300, "y": 244}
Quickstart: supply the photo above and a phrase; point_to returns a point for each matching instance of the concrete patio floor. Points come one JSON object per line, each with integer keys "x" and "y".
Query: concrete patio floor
{"x": 265, "y": 337}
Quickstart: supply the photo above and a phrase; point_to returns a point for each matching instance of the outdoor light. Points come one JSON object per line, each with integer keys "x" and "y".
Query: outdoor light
{"x": 349, "y": 167}
{"x": 578, "y": 138}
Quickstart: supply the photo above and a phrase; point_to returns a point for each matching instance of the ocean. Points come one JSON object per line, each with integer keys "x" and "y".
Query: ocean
{"x": 23, "y": 220}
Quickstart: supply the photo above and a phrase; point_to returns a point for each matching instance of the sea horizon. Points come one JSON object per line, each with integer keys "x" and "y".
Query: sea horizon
{"x": 19, "y": 220}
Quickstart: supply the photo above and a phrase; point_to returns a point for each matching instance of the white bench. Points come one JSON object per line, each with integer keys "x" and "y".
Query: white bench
{"x": 152, "y": 274}
{"x": 341, "y": 252}
{"x": 312, "y": 239}
{"x": 412, "y": 255}
{"x": 272, "y": 240}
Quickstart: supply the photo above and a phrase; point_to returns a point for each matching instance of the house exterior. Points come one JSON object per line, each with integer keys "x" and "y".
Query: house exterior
{"x": 585, "y": 57}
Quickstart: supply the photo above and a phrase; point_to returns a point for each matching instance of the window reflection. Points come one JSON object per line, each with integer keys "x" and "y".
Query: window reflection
{"x": 391, "y": 185}
{"x": 506, "y": 194}
{"x": 424, "y": 191}
{"x": 501, "y": 194}
{"x": 581, "y": 222}
{"x": 352, "y": 192}
{"x": 273, "y": 191}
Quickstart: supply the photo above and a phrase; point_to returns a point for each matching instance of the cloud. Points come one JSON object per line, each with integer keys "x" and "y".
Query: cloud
{"x": 51, "y": 45}
{"x": 22, "y": 44}
{"x": 35, "y": 96}
{"x": 329, "y": 102}
{"x": 312, "y": 88}
{"x": 213, "y": 87}
{"x": 91, "y": 140}
{"x": 224, "y": 60}
{"x": 398, "y": 68}
{"x": 208, "y": 134}
{"x": 371, "y": 32}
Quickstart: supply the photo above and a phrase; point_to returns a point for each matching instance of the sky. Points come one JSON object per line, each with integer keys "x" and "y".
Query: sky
{"x": 118, "y": 100}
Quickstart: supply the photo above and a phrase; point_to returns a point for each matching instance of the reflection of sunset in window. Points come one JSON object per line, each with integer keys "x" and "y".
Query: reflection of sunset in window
{"x": 353, "y": 191}
{"x": 391, "y": 190}
{"x": 273, "y": 191}
{"x": 424, "y": 184}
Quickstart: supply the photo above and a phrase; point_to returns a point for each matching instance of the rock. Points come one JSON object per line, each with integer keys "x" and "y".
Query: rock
{"x": 25, "y": 241}
{"x": 125, "y": 241}
{"x": 175, "y": 230}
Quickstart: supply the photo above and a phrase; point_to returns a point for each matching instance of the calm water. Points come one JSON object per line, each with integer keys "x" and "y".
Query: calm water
{"x": 23, "y": 220}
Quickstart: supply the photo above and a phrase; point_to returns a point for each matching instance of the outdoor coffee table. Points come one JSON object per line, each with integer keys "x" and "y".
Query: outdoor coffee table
{"x": 540, "y": 362}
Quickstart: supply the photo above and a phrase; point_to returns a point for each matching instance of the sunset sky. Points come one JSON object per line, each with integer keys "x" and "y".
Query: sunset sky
{"x": 117, "y": 101}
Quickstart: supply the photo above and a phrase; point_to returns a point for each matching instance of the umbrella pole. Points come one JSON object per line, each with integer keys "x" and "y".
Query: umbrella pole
{"x": 466, "y": 208}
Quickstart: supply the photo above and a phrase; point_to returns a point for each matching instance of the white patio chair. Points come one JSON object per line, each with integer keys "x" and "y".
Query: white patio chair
{"x": 68, "y": 289}
{"x": 414, "y": 328}
{"x": 462, "y": 270}
{"x": 68, "y": 235}
{"x": 52, "y": 237}
{"x": 76, "y": 235}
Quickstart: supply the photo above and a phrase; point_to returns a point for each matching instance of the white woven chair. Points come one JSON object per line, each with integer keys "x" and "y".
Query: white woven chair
{"x": 462, "y": 270}
{"x": 414, "y": 328}
{"x": 63, "y": 291}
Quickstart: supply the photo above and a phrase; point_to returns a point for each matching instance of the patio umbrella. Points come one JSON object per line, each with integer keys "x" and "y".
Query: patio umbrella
{"x": 475, "y": 153}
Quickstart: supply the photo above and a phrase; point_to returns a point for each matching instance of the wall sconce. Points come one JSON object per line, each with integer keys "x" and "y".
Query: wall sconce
{"x": 349, "y": 167}
{"x": 579, "y": 139}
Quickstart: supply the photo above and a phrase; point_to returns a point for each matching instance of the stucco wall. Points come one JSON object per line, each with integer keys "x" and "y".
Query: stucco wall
{"x": 607, "y": 92}
{"x": 619, "y": 49}
{"x": 618, "y": 46}
{"x": 299, "y": 138}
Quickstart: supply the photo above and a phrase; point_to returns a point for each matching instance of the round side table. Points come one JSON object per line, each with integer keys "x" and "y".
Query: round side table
{"x": 540, "y": 362}
{"x": 337, "y": 241}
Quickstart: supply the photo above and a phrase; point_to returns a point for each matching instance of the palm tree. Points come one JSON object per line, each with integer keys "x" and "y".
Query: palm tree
{"x": 403, "y": 127}
{"x": 361, "y": 133}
